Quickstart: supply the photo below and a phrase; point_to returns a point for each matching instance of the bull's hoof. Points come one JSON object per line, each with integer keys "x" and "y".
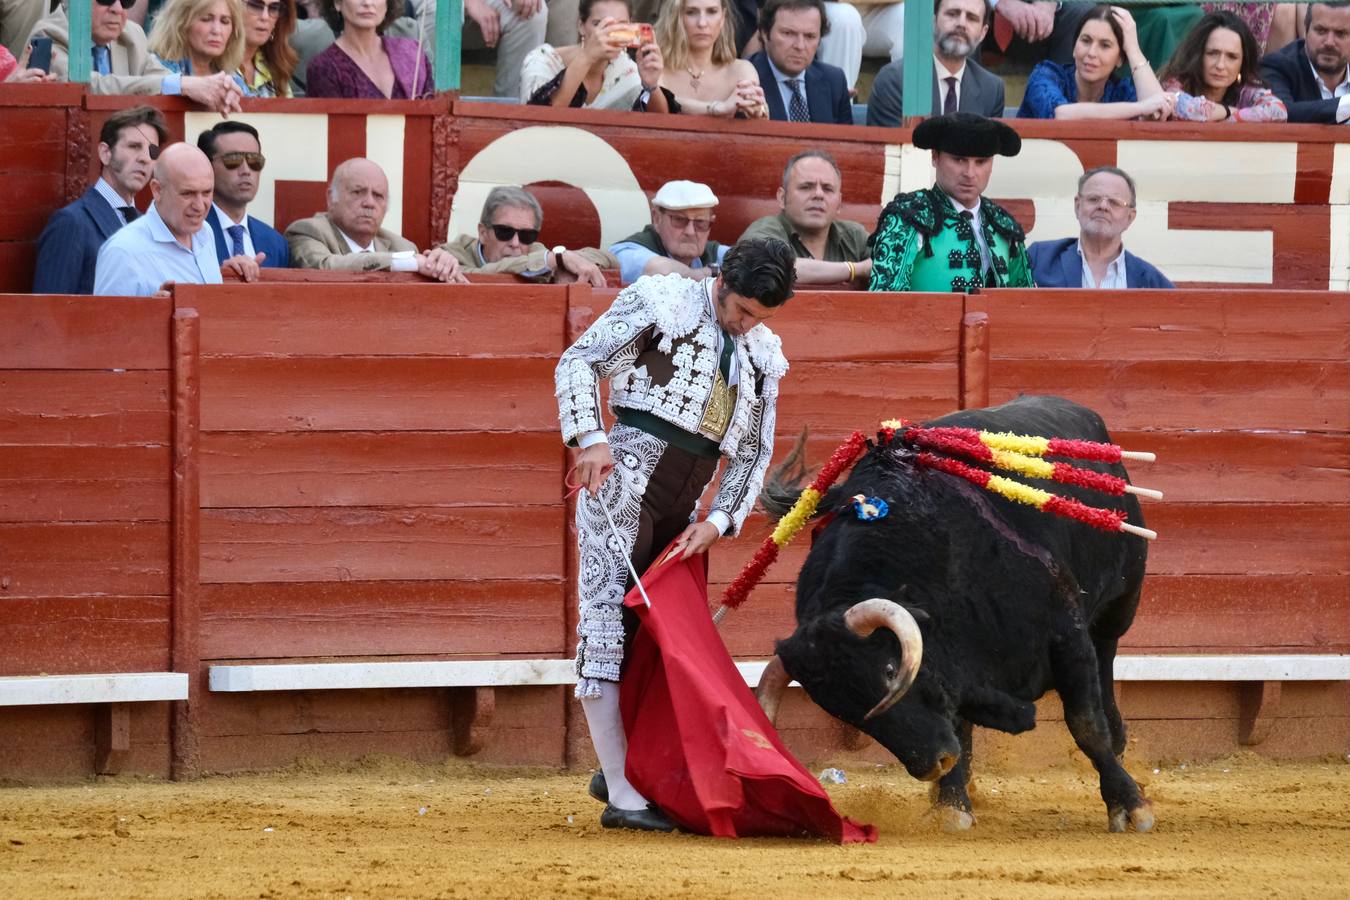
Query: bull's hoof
{"x": 951, "y": 819}
{"x": 1140, "y": 818}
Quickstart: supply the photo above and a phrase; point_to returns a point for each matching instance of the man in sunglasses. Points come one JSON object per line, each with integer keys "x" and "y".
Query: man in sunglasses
{"x": 350, "y": 236}
{"x": 236, "y": 158}
{"x": 123, "y": 64}
{"x": 677, "y": 240}
{"x": 507, "y": 243}
{"x": 128, "y": 145}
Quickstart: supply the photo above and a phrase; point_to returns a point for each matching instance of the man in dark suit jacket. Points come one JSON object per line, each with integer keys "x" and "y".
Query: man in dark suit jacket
{"x": 237, "y": 161}
{"x": 68, "y": 248}
{"x": 960, "y": 84}
{"x": 796, "y": 87}
{"x": 1105, "y": 207}
{"x": 1312, "y": 76}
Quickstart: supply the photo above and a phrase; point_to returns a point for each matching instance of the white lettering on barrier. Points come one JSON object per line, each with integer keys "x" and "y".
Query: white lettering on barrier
{"x": 554, "y": 153}
{"x": 1340, "y": 219}
{"x": 296, "y": 147}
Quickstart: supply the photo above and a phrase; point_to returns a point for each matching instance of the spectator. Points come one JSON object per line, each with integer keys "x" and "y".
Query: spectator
{"x": 798, "y": 87}
{"x": 698, "y": 44}
{"x": 170, "y": 243}
{"x": 123, "y": 64}
{"x": 829, "y": 249}
{"x": 1312, "y": 76}
{"x": 129, "y": 143}
{"x": 349, "y": 237}
{"x": 237, "y": 163}
{"x": 17, "y": 18}
{"x": 364, "y": 62}
{"x": 598, "y": 73}
{"x": 1088, "y": 88}
{"x": 513, "y": 27}
{"x": 860, "y": 28}
{"x": 507, "y": 243}
{"x": 1213, "y": 75}
{"x": 269, "y": 60}
{"x": 1097, "y": 258}
{"x": 677, "y": 240}
{"x": 959, "y": 83}
{"x": 200, "y": 37}
{"x": 949, "y": 237}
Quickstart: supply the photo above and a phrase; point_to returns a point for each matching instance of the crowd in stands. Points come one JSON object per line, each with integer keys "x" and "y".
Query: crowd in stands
{"x": 696, "y": 58}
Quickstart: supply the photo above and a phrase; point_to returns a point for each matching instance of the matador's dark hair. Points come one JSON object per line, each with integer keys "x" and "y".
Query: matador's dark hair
{"x": 761, "y": 269}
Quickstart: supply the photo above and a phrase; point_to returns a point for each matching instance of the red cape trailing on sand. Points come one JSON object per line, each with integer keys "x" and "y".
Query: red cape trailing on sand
{"x": 699, "y": 746}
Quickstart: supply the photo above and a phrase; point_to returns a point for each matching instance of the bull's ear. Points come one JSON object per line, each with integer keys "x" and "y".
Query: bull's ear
{"x": 920, "y": 616}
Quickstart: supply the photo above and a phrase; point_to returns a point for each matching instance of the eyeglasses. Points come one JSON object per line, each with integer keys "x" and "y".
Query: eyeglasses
{"x": 234, "y": 160}
{"x": 702, "y": 226}
{"x": 1113, "y": 203}
{"x": 506, "y": 232}
{"x": 126, "y": 4}
{"x": 272, "y": 9}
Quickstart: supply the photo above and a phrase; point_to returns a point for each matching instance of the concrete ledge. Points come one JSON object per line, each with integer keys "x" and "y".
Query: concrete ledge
{"x": 523, "y": 672}
{"x": 122, "y": 687}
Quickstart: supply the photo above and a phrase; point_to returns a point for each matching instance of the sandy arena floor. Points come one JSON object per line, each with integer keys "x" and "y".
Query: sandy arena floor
{"x": 1239, "y": 828}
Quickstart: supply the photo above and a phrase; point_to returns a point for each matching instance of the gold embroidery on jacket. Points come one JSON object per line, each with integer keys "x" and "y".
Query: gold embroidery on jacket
{"x": 721, "y": 405}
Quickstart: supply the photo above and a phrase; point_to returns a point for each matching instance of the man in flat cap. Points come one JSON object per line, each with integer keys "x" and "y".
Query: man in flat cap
{"x": 677, "y": 240}
{"x": 948, "y": 237}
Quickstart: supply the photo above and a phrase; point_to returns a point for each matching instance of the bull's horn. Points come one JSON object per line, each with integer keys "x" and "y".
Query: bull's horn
{"x": 869, "y": 615}
{"x": 772, "y": 683}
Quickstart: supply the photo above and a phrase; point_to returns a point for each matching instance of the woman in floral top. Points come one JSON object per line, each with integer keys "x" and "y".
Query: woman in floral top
{"x": 598, "y": 73}
{"x": 1213, "y": 75}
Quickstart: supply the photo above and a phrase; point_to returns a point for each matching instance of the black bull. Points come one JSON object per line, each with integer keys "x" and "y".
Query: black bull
{"x": 1010, "y": 603}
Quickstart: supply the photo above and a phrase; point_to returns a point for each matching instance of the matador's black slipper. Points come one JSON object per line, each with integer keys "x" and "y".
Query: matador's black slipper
{"x": 649, "y": 819}
{"x": 598, "y": 788}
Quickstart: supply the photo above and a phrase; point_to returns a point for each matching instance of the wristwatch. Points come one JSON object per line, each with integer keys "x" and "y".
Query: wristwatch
{"x": 558, "y": 252}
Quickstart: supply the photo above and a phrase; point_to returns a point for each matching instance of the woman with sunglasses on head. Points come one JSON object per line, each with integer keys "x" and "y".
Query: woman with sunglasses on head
{"x": 269, "y": 59}
{"x": 364, "y": 62}
{"x": 1213, "y": 76}
{"x": 605, "y": 71}
{"x": 698, "y": 41}
{"x": 1090, "y": 86}
{"x": 200, "y": 37}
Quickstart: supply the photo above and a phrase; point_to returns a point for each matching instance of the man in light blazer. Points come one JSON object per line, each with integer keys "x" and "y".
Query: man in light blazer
{"x": 1097, "y": 258}
{"x": 123, "y": 64}
{"x": 959, "y": 83}
{"x": 1312, "y": 76}
{"x": 797, "y": 86}
{"x": 68, "y": 248}
{"x": 349, "y": 238}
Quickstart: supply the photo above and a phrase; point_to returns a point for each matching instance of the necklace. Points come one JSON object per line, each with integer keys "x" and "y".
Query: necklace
{"x": 694, "y": 76}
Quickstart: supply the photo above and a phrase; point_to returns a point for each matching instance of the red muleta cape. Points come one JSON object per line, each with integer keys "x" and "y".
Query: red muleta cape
{"x": 699, "y": 746}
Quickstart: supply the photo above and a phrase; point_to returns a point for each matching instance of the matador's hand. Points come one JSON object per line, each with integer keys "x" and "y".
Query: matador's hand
{"x": 593, "y": 466}
{"x": 696, "y": 539}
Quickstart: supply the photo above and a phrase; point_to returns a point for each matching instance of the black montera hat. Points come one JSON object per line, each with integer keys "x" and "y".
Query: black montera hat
{"x": 966, "y": 134}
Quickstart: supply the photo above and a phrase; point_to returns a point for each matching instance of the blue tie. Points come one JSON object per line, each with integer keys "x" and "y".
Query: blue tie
{"x": 797, "y": 111}
{"x": 236, "y": 240}
{"x": 102, "y": 60}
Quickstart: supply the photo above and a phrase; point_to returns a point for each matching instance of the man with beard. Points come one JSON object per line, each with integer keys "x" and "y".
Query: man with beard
{"x": 948, "y": 237}
{"x": 829, "y": 249}
{"x": 68, "y": 248}
{"x": 236, "y": 158}
{"x": 1312, "y": 76}
{"x": 959, "y": 83}
{"x": 1097, "y": 258}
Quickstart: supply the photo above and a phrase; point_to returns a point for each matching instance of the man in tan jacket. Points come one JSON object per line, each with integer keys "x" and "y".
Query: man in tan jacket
{"x": 349, "y": 238}
{"x": 122, "y": 64}
{"x": 507, "y": 244}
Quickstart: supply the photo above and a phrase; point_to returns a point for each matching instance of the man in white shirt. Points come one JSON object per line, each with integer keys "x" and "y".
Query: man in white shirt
{"x": 350, "y": 237}
{"x": 1312, "y": 76}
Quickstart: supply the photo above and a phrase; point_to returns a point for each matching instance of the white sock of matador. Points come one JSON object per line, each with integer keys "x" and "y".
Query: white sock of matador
{"x": 611, "y": 745}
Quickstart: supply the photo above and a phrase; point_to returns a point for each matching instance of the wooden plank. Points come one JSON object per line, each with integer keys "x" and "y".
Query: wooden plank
{"x": 129, "y": 687}
{"x": 838, "y": 397}
{"x": 60, "y": 635}
{"x": 84, "y": 407}
{"x": 32, "y": 158}
{"x": 380, "y": 469}
{"x": 18, "y": 262}
{"x": 1302, "y": 467}
{"x": 46, "y": 332}
{"x": 364, "y": 618}
{"x": 378, "y": 394}
{"x": 1191, "y": 394}
{"x": 1177, "y": 325}
{"x": 1250, "y": 539}
{"x": 186, "y": 535}
{"x": 91, "y": 484}
{"x": 381, "y": 675}
{"x": 364, "y": 544}
{"x": 841, "y": 326}
{"x": 371, "y": 320}
{"x": 56, "y": 559}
